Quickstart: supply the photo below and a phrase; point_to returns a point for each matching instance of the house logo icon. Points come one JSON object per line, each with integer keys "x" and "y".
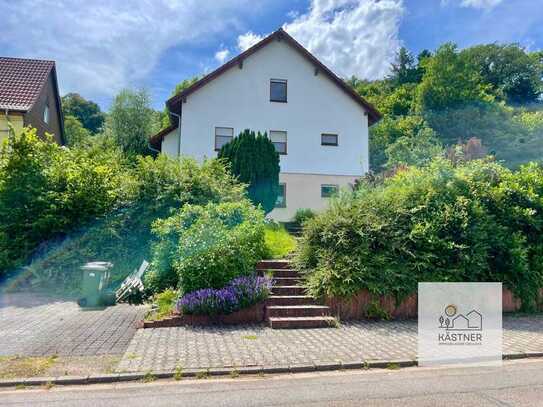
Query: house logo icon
{"x": 451, "y": 320}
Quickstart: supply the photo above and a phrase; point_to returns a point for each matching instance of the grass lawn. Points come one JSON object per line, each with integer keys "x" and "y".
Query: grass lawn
{"x": 278, "y": 242}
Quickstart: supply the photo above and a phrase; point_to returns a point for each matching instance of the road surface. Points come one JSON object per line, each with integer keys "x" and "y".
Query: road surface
{"x": 517, "y": 383}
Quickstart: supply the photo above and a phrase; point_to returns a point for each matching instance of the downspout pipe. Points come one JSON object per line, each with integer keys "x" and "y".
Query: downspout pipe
{"x": 179, "y": 128}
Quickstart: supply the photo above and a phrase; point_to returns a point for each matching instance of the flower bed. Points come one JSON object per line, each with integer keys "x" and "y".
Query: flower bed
{"x": 240, "y": 293}
{"x": 240, "y": 302}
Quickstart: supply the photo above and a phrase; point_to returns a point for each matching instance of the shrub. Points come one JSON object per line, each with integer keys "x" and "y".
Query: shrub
{"x": 165, "y": 304}
{"x": 123, "y": 236}
{"x": 302, "y": 215}
{"x": 255, "y": 162}
{"x": 279, "y": 242}
{"x": 476, "y": 222}
{"x": 47, "y": 190}
{"x": 240, "y": 293}
{"x": 206, "y": 246}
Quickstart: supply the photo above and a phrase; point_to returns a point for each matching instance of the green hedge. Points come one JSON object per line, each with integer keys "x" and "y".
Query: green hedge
{"x": 206, "y": 246}
{"x": 70, "y": 206}
{"x": 478, "y": 222}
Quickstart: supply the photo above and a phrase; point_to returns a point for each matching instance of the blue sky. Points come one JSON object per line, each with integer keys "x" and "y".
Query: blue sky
{"x": 102, "y": 46}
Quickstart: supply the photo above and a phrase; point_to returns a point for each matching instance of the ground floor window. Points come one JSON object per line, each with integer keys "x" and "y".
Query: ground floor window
{"x": 328, "y": 190}
{"x": 281, "y": 201}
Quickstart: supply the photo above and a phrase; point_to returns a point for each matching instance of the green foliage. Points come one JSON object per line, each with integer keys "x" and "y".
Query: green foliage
{"x": 415, "y": 149}
{"x": 74, "y": 131}
{"x": 450, "y": 82}
{"x": 476, "y": 222}
{"x": 514, "y": 74}
{"x": 85, "y": 111}
{"x": 302, "y": 215}
{"x": 48, "y": 190}
{"x": 165, "y": 303}
{"x": 254, "y": 161}
{"x": 279, "y": 243}
{"x": 155, "y": 188}
{"x": 131, "y": 121}
{"x": 206, "y": 246}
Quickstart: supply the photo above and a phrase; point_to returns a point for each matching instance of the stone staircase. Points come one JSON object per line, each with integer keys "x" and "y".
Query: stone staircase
{"x": 288, "y": 307}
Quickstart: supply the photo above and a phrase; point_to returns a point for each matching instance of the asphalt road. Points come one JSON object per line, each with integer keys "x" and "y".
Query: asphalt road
{"x": 518, "y": 383}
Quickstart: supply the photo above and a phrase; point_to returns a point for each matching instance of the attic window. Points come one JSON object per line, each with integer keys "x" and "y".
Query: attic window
{"x": 46, "y": 114}
{"x": 278, "y": 90}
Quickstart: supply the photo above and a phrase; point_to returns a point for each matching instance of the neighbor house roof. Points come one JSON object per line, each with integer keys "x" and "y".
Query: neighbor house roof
{"x": 174, "y": 104}
{"x": 21, "y": 82}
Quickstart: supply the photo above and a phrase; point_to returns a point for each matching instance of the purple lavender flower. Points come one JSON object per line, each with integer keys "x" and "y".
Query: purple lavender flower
{"x": 240, "y": 293}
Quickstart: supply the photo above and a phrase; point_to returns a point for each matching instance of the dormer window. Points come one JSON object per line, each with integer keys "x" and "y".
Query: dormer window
{"x": 46, "y": 114}
{"x": 278, "y": 90}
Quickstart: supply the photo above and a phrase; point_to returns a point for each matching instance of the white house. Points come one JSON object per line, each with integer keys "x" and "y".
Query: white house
{"x": 318, "y": 124}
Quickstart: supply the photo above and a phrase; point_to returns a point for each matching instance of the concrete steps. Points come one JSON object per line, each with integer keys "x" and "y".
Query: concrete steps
{"x": 289, "y": 307}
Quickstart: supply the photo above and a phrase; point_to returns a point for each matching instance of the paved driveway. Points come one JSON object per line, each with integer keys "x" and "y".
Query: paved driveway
{"x": 257, "y": 345}
{"x": 39, "y": 325}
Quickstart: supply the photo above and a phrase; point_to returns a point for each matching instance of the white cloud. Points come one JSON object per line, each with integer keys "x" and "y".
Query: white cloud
{"x": 247, "y": 40}
{"x": 487, "y": 4}
{"x": 102, "y": 46}
{"x": 479, "y": 4}
{"x": 352, "y": 37}
{"x": 222, "y": 55}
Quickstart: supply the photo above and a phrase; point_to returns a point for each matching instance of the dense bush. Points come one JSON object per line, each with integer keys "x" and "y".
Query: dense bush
{"x": 477, "y": 222}
{"x": 303, "y": 214}
{"x": 47, "y": 190}
{"x": 254, "y": 161}
{"x": 123, "y": 236}
{"x": 242, "y": 292}
{"x": 206, "y": 246}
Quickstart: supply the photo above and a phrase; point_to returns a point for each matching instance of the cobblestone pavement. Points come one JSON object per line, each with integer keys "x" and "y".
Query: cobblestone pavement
{"x": 257, "y": 345}
{"x": 38, "y": 325}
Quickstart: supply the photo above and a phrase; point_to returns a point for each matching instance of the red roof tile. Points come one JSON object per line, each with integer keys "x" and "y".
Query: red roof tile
{"x": 21, "y": 81}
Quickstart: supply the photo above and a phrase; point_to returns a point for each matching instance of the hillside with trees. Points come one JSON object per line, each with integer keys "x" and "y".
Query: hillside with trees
{"x": 481, "y": 100}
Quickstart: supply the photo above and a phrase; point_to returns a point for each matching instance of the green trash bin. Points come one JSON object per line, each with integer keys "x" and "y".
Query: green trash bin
{"x": 95, "y": 281}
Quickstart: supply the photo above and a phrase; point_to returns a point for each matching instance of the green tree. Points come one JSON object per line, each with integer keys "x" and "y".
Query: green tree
{"x": 514, "y": 74}
{"x": 450, "y": 82}
{"x": 74, "y": 131}
{"x": 404, "y": 70}
{"x": 131, "y": 121}
{"x": 87, "y": 112}
{"x": 418, "y": 149}
{"x": 255, "y": 162}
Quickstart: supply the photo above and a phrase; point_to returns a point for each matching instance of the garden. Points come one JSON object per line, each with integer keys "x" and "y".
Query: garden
{"x": 195, "y": 223}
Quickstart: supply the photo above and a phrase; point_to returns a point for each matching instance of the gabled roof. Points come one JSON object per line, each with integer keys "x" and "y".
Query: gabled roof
{"x": 21, "y": 82}
{"x": 174, "y": 104}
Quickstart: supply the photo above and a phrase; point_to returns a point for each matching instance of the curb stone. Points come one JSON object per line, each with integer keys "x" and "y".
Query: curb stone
{"x": 299, "y": 368}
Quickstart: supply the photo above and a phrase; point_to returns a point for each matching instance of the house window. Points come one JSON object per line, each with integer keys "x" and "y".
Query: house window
{"x": 281, "y": 201}
{"x": 279, "y": 140}
{"x": 329, "y": 190}
{"x": 278, "y": 90}
{"x": 46, "y": 114}
{"x": 328, "y": 139}
{"x": 223, "y": 135}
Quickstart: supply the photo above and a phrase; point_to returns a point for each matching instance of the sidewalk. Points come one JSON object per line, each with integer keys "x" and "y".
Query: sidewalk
{"x": 165, "y": 349}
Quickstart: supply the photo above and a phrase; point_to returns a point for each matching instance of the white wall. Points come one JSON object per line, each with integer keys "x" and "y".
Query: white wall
{"x": 304, "y": 191}
{"x": 240, "y": 98}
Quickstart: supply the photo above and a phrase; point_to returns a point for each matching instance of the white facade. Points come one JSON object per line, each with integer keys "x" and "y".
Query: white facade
{"x": 239, "y": 98}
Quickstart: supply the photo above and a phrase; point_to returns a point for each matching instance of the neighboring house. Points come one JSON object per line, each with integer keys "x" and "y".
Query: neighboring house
{"x": 29, "y": 97}
{"x": 319, "y": 125}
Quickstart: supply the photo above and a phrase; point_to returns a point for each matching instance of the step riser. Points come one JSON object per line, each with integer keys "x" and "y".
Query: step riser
{"x": 286, "y": 280}
{"x": 272, "y": 264}
{"x": 288, "y": 290}
{"x": 299, "y": 324}
{"x": 298, "y": 312}
{"x": 290, "y": 301}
